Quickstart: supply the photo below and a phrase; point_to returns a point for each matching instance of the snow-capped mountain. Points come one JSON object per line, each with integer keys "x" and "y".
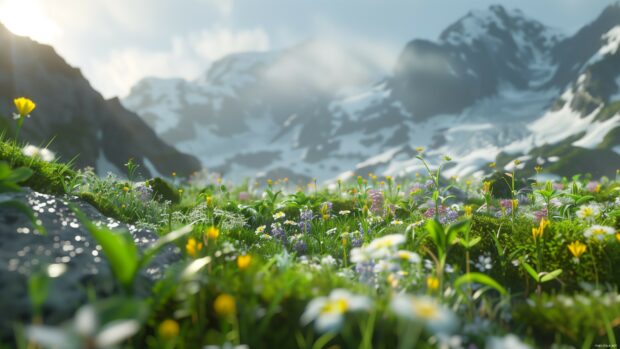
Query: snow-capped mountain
{"x": 495, "y": 86}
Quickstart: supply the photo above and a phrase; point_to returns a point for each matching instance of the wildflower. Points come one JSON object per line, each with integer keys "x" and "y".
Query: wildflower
{"x": 328, "y": 312}
{"x": 24, "y": 107}
{"x": 515, "y": 204}
{"x": 598, "y": 231}
{"x": 344, "y": 212}
{"x": 432, "y": 283}
{"x": 212, "y": 233}
{"x": 243, "y": 262}
{"x": 468, "y": 210}
{"x": 40, "y": 153}
{"x": 289, "y": 222}
{"x": 593, "y": 187}
{"x": 376, "y": 197}
{"x": 538, "y": 232}
{"x": 408, "y": 256}
{"x": 125, "y": 189}
{"x": 386, "y": 241}
{"x": 326, "y": 209}
{"x": 484, "y": 263}
{"x": 225, "y": 305}
{"x": 493, "y": 165}
{"x": 424, "y": 309}
{"x": 279, "y": 215}
{"x": 618, "y": 237}
{"x": 278, "y": 233}
{"x": 397, "y": 222}
{"x": 588, "y": 212}
{"x": 577, "y": 248}
{"x": 486, "y": 187}
{"x": 419, "y": 149}
{"x": 168, "y": 329}
{"x": 300, "y": 247}
{"x": 193, "y": 247}
{"x": 538, "y": 169}
{"x": 261, "y": 229}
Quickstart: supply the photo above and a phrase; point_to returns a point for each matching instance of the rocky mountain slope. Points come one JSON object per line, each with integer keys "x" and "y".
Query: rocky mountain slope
{"x": 97, "y": 132}
{"x": 495, "y": 86}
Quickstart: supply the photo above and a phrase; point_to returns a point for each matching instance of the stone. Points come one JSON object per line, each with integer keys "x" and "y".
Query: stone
{"x": 23, "y": 251}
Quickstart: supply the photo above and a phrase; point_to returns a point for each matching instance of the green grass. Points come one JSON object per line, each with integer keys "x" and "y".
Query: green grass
{"x": 272, "y": 291}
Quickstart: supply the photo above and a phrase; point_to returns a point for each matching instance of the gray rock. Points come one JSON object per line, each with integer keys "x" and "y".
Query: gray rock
{"x": 23, "y": 251}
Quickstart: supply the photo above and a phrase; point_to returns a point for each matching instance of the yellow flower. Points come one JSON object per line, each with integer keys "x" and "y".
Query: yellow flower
{"x": 270, "y": 182}
{"x": 468, "y": 210}
{"x": 419, "y": 149}
{"x": 209, "y": 200}
{"x": 577, "y": 248}
{"x": 224, "y": 305}
{"x": 538, "y": 169}
{"x": 168, "y": 329}
{"x": 493, "y": 165}
{"x": 125, "y": 189}
{"x": 193, "y": 247}
{"x": 174, "y": 174}
{"x": 24, "y": 106}
{"x": 515, "y": 204}
{"x": 432, "y": 283}
{"x": 212, "y": 233}
{"x": 243, "y": 262}
{"x": 486, "y": 186}
{"x": 538, "y": 231}
{"x": 618, "y": 237}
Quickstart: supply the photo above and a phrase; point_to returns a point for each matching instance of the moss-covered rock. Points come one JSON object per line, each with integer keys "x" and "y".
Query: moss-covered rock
{"x": 164, "y": 191}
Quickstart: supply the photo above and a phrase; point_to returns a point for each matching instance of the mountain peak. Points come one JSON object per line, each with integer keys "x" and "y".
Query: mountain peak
{"x": 493, "y": 23}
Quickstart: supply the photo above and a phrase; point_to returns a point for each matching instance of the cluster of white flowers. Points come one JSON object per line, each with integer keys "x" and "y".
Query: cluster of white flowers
{"x": 40, "y": 153}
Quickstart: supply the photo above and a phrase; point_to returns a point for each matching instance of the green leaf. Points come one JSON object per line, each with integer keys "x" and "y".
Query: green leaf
{"x": 471, "y": 243}
{"x": 480, "y": 279}
{"x": 530, "y": 270}
{"x": 437, "y": 234}
{"x": 584, "y": 199}
{"x": 38, "y": 287}
{"x": 551, "y": 276}
{"x": 5, "y": 170}
{"x": 19, "y": 175}
{"x": 119, "y": 249}
{"x": 457, "y": 228}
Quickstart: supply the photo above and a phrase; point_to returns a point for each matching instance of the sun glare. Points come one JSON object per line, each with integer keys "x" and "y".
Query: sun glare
{"x": 27, "y": 18}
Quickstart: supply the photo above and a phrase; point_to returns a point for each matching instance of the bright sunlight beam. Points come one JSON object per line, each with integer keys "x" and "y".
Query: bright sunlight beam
{"x": 27, "y": 18}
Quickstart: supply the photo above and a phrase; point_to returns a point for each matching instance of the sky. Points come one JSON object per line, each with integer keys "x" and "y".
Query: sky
{"x": 118, "y": 42}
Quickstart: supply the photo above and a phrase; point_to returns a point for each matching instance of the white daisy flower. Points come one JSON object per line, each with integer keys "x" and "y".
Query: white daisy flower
{"x": 599, "y": 232}
{"x": 425, "y": 309}
{"x": 588, "y": 212}
{"x": 328, "y": 312}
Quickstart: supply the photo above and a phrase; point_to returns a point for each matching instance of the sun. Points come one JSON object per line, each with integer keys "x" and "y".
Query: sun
{"x": 27, "y": 18}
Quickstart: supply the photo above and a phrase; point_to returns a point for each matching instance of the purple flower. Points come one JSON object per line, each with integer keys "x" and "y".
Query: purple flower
{"x": 429, "y": 184}
{"x": 305, "y": 219}
{"x": 300, "y": 247}
{"x": 278, "y": 233}
{"x": 592, "y": 186}
{"x": 376, "y": 197}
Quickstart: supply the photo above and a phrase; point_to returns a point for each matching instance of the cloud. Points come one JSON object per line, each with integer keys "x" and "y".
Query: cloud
{"x": 187, "y": 57}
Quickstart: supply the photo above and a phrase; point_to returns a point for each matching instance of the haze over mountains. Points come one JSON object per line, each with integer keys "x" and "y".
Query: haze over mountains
{"x": 495, "y": 85}
{"x": 76, "y": 121}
